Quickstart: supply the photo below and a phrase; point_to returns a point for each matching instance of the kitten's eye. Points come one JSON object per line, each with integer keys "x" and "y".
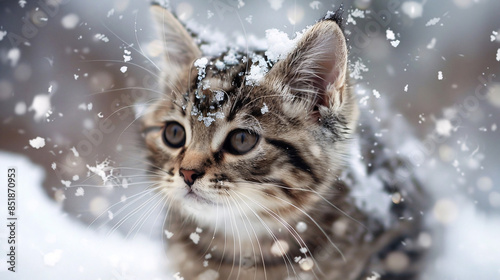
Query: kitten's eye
{"x": 174, "y": 135}
{"x": 240, "y": 141}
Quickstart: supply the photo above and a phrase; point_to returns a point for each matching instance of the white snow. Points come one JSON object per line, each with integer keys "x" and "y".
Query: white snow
{"x": 301, "y": 227}
{"x": 444, "y": 127}
{"x": 431, "y": 44}
{"x": 494, "y": 36}
{"x": 256, "y": 74}
{"x": 376, "y": 93}
{"x": 433, "y": 21}
{"x": 70, "y": 21}
{"x": 100, "y": 170}
{"x": 201, "y": 64}
{"x": 3, "y": 33}
{"x": 315, "y": 5}
{"x": 276, "y": 4}
{"x": 79, "y": 192}
{"x": 220, "y": 65}
{"x": 264, "y": 109}
{"x": 498, "y": 54}
{"x": 20, "y": 108}
{"x": 53, "y": 245}
{"x": 494, "y": 199}
{"x": 37, "y": 143}
{"x": 66, "y": 183}
{"x": 177, "y": 276}
{"x": 75, "y": 152}
{"x": 195, "y": 237}
{"x": 412, "y": 9}
{"x": 395, "y": 43}
{"x": 22, "y": 3}
{"x": 440, "y": 75}
{"x": 357, "y": 69}
{"x": 101, "y": 37}
{"x": 52, "y": 258}
{"x": 279, "y": 45}
{"x": 14, "y": 55}
{"x": 123, "y": 69}
{"x": 168, "y": 234}
{"x": 389, "y": 34}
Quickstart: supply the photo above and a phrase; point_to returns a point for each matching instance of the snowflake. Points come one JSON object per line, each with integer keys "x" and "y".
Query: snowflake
{"x": 433, "y": 21}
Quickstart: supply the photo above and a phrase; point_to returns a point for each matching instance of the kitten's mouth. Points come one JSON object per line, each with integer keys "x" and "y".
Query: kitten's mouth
{"x": 193, "y": 196}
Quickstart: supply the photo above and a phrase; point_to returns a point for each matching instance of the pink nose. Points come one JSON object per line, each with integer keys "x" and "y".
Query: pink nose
{"x": 190, "y": 175}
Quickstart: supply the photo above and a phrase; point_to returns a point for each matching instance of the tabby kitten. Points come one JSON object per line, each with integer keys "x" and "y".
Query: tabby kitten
{"x": 257, "y": 172}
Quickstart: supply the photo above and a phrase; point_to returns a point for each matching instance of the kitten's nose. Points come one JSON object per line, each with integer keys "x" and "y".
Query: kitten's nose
{"x": 190, "y": 175}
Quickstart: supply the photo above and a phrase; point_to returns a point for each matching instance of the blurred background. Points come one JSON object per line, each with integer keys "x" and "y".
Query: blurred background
{"x": 71, "y": 73}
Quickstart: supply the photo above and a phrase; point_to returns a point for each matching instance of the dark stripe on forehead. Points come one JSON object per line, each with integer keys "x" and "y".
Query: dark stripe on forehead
{"x": 237, "y": 105}
{"x": 294, "y": 156}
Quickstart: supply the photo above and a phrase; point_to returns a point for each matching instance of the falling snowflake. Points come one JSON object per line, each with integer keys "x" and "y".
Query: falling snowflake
{"x": 433, "y": 21}
{"x": 494, "y": 36}
{"x": 37, "y": 143}
{"x": 357, "y": 69}
{"x": 79, "y": 192}
{"x": 177, "y": 276}
{"x": 75, "y": 152}
{"x": 195, "y": 237}
{"x": 314, "y": 5}
{"x": 100, "y": 170}
{"x": 168, "y": 234}
{"x": 389, "y": 34}
{"x": 440, "y": 75}
{"x": 395, "y": 43}
{"x": 2, "y": 34}
{"x": 66, "y": 183}
{"x": 102, "y": 37}
{"x": 264, "y": 109}
{"x": 431, "y": 44}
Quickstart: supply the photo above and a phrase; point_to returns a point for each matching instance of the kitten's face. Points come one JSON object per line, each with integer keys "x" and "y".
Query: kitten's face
{"x": 221, "y": 146}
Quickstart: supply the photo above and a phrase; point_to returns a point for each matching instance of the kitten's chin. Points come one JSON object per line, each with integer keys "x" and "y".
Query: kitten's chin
{"x": 196, "y": 204}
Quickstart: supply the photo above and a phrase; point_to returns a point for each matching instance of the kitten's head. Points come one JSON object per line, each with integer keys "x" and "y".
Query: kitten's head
{"x": 219, "y": 139}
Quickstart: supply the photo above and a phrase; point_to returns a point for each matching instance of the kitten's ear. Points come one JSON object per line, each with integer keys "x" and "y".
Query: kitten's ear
{"x": 316, "y": 69}
{"x": 179, "y": 47}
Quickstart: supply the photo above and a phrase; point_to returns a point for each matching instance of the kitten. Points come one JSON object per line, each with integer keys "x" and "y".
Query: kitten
{"x": 259, "y": 173}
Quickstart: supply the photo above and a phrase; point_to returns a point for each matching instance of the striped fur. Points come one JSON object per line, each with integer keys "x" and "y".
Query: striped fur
{"x": 305, "y": 116}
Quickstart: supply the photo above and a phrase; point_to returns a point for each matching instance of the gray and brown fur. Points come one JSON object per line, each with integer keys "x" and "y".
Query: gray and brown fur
{"x": 292, "y": 175}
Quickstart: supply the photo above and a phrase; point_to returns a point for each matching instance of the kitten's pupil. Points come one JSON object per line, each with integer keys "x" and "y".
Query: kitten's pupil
{"x": 240, "y": 142}
{"x": 174, "y": 135}
{"x": 241, "y": 135}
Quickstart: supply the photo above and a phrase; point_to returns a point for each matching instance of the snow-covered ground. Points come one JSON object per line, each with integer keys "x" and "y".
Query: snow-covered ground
{"x": 50, "y": 245}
